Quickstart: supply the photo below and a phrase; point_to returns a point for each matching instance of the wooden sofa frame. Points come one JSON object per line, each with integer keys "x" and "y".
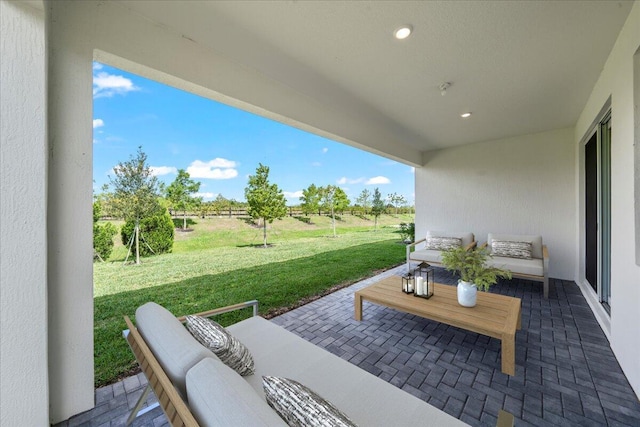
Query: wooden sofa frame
{"x": 174, "y": 407}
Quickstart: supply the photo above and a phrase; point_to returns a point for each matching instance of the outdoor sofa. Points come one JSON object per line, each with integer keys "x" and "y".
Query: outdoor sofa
{"x": 195, "y": 388}
{"x": 529, "y": 260}
{"x": 430, "y": 248}
{"x": 524, "y": 255}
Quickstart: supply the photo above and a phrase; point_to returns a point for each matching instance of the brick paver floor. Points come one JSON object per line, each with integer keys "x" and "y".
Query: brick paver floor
{"x": 566, "y": 373}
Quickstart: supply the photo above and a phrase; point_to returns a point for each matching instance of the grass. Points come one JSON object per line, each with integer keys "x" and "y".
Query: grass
{"x": 220, "y": 263}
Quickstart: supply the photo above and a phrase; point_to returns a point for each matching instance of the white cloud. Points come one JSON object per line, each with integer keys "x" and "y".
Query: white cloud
{"x": 316, "y": 164}
{"x": 345, "y": 180}
{"x": 324, "y": 150}
{"x": 206, "y": 195}
{"x": 217, "y": 168}
{"x": 97, "y": 66}
{"x": 163, "y": 170}
{"x": 98, "y": 123}
{"x": 106, "y": 85}
{"x": 292, "y": 194}
{"x": 378, "y": 180}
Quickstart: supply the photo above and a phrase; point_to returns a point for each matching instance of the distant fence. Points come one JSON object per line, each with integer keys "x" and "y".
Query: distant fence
{"x": 292, "y": 211}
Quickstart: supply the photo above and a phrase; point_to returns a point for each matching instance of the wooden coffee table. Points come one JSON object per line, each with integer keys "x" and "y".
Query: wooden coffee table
{"x": 497, "y": 316}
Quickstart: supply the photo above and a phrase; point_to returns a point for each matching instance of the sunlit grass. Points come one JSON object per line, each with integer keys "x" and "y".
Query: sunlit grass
{"x": 215, "y": 266}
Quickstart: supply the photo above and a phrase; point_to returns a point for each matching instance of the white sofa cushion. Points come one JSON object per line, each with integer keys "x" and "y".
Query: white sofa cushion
{"x": 174, "y": 347}
{"x": 536, "y": 242}
{"x": 533, "y": 266}
{"x": 427, "y": 255}
{"x": 466, "y": 238}
{"x": 219, "y": 396}
{"x": 365, "y": 398}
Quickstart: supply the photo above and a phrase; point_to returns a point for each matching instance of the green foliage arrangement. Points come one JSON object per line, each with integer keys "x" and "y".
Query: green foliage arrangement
{"x": 102, "y": 235}
{"x": 472, "y": 266}
{"x": 157, "y": 233}
{"x": 266, "y": 200}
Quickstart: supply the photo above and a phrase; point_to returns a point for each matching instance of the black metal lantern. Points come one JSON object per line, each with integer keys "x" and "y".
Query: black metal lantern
{"x": 408, "y": 283}
{"x": 424, "y": 281}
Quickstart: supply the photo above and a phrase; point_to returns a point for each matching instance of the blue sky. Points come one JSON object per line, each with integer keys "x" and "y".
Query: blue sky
{"x": 220, "y": 146}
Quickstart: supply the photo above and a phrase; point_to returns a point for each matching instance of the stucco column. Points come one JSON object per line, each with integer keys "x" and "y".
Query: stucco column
{"x": 70, "y": 247}
{"x": 24, "y": 399}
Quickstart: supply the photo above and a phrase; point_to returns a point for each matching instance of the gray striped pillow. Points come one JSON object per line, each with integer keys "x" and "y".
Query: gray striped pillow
{"x": 299, "y": 406}
{"x": 224, "y": 345}
{"x": 443, "y": 243}
{"x": 511, "y": 249}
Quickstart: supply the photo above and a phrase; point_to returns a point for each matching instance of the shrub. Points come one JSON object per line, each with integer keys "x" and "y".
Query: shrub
{"x": 102, "y": 235}
{"x": 103, "y": 240}
{"x": 408, "y": 231}
{"x": 156, "y": 234}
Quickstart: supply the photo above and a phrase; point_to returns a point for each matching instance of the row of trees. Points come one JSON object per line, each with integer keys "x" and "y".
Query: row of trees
{"x": 137, "y": 197}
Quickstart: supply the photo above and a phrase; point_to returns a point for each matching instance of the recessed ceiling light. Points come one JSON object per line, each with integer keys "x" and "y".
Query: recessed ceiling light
{"x": 465, "y": 115}
{"x": 403, "y": 32}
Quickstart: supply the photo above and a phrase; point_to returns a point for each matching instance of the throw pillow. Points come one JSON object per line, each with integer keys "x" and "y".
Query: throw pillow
{"x": 511, "y": 249}
{"x": 224, "y": 345}
{"x": 443, "y": 243}
{"x": 299, "y": 406}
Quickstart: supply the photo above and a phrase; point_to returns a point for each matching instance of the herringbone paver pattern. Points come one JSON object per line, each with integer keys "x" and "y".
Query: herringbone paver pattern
{"x": 566, "y": 373}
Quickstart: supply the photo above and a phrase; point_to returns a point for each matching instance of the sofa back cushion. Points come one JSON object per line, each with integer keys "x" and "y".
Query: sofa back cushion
{"x": 219, "y": 396}
{"x": 536, "y": 242}
{"x": 466, "y": 238}
{"x": 174, "y": 347}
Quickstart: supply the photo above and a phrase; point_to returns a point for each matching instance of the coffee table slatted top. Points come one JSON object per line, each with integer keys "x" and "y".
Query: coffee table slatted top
{"x": 494, "y": 315}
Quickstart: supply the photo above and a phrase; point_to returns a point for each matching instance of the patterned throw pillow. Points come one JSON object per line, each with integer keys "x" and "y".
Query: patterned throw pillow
{"x": 224, "y": 345}
{"x": 443, "y": 243}
{"x": 299, "y": 406}
{"x": 511, "y": 249}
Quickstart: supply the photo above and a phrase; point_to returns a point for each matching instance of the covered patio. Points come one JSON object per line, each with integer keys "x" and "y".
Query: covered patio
{"x": 551, "y": 148}
{"x": 566, "y": 373}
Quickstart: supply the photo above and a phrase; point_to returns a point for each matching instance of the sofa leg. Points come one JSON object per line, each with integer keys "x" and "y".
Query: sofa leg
{"x": 546, "y": 287}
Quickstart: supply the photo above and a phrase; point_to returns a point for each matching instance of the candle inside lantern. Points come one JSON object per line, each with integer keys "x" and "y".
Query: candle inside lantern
{"x": 410, "y": 285}
{"x": 420, "y": 285}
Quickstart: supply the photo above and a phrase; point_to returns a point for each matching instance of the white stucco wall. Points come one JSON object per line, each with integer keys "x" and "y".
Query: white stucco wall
{"x": 521, "y": 185}
{"x": 616, "y": 82}
{"x": 24, "y": 399}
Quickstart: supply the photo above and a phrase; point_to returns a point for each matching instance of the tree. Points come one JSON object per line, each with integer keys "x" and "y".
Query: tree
{"x": 377, "y": 206}
{"x": 266, "y": 200}
{"x": 364, "y": 200}
{"x": 334, "y": 199}
{"x": 180, "y": 194}
{"x": 136, "y": 192}
{"x": 310, "y": 200}
{"x": 396, "y": 200}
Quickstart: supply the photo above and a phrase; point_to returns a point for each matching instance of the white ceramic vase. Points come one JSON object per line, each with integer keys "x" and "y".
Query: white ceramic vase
{"x": 467, "y": 293}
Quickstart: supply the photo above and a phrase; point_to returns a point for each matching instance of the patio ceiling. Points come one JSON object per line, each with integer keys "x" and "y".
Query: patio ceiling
{"x": 519, "y": 67}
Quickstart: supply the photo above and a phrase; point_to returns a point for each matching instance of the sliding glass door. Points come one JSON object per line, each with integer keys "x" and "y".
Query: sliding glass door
{"x": 597, "y": 155}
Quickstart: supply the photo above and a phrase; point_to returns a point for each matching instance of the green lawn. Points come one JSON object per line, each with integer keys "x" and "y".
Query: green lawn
{"x": 220, "y": 263}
